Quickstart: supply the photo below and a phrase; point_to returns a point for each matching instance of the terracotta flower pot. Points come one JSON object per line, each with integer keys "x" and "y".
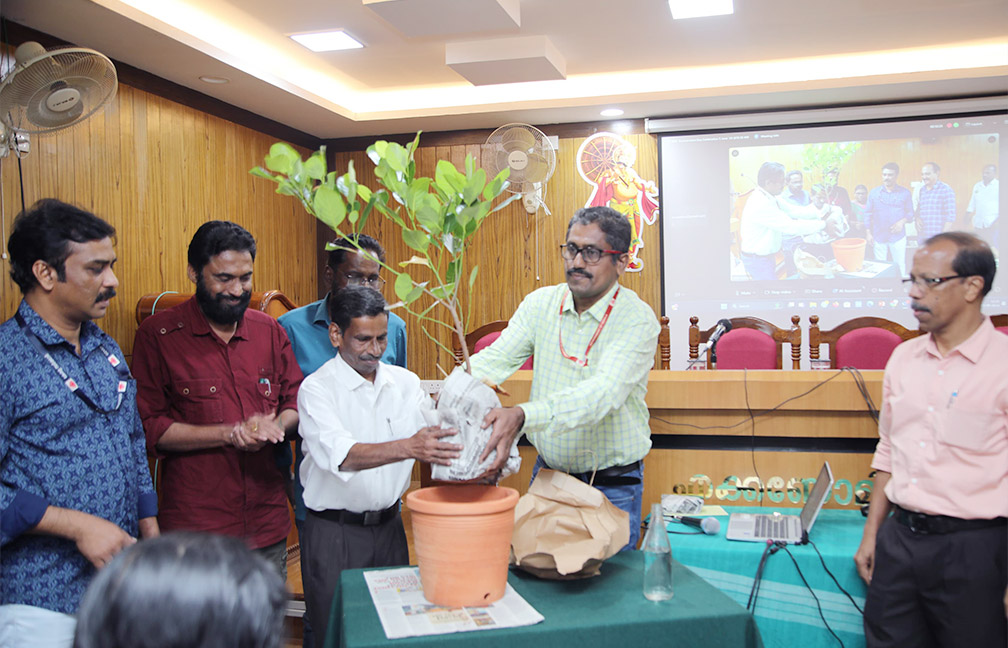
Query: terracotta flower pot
{"x": 849, "y": 253}
{"x": 462, "y": 536}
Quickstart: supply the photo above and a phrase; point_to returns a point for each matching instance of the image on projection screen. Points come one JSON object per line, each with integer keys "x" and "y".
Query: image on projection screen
{"x": 833, "y": 229}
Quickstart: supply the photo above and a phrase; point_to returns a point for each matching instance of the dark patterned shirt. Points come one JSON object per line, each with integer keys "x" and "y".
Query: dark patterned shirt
{"x": 935, "y": 206}
{"x": 57, "y": 450}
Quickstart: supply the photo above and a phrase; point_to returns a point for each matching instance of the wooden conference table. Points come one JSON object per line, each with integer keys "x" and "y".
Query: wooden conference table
{"x": 786, "y": 612}
{"x": 605, "y": 611}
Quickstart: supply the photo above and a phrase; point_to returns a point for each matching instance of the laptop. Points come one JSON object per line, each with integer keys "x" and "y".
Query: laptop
{"x": 777, "y": 527}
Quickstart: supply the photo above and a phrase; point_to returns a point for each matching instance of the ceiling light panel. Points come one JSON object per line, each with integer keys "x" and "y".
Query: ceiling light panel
{"x": 327, "y": 41}
{"x": 447, "y": 17}
{"x": 700, "y": 8}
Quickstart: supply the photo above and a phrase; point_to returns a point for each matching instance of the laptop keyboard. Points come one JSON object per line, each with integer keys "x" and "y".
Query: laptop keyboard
{"x": 771, "y": 526}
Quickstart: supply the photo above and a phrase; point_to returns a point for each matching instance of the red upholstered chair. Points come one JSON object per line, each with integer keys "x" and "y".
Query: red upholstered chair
{"x": 1000, "y": 322}
{"x": 752, "y": 343}
{"x": 862, "y": 343}
{"x": 481, "y": 338}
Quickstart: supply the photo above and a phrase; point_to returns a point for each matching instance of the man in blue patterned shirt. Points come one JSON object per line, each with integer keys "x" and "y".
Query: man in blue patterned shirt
{"x": 75, "y": 488}
{"x": 936, "y": 208}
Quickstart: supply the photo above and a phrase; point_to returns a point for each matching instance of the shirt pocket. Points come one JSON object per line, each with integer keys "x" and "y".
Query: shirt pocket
{"x": 971, "y": 431}
{"x": 200, "y": 401}
{"x": 267, "y": 387}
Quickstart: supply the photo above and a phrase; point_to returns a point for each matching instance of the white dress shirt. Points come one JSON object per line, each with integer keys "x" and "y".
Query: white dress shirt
{"x": 339, "y": 408}
{"x": 983, "y": 203}
{"x": 765, "y": 219}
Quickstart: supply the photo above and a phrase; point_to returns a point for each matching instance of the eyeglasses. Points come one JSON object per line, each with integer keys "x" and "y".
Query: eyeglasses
{"x": 591, "y": 255}
{"x": 375, "y": 282}
{"x": 927, "y": 283}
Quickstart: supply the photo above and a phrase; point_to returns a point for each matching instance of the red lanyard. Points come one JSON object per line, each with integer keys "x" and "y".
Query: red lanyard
{"x": 605, "y": 318}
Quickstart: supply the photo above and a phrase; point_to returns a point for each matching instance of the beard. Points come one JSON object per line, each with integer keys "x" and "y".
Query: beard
{"x": 221, "y": 308}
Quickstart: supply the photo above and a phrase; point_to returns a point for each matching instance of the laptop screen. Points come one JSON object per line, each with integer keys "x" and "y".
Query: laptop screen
{"x": 817, "y": 496}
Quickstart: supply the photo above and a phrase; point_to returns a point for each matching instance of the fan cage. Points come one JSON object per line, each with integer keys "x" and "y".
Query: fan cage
{"x": 535, "y": 153}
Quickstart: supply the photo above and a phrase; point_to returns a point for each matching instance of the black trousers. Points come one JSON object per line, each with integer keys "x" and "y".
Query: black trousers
{"x": 328, "y": 547}
{"x": 931, "y": 591}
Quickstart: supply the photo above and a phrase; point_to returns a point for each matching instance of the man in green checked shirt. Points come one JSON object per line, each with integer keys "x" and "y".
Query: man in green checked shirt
{"x": 593, "y": 344}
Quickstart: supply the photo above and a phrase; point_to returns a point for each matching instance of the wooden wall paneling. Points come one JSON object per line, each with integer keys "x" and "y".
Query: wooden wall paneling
{"x": 156, "y": 170}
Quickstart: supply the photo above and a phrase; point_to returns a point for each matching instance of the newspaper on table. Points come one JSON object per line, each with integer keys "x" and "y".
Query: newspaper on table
{"x": 462, "y": 404}
{"x": 404, "y": 612}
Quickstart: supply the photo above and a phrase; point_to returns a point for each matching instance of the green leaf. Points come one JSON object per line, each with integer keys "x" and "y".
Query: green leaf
{"x": 474, "y": 187}
{"x": 414, "y": 295}
{"x": 329, "y": 207}
{"x": 287, "y": 188}
{"x": 396, "y": 157}
{"x": 403, "y": 285}
{"x": 263, "y": 173}
{"x": 416, "y": 239}
{"x": 352, "y": 216}
{"x": 281, "y": 158}
{"x": 472, "y": 277}
{"x": 415, "y": 260}
{"x": 496, "y": 186}
{"x": 448, "y": 178}
{"x": 429, "y": 218}
{"x": 377, "y": 151}
{"x": 315, "y": 166}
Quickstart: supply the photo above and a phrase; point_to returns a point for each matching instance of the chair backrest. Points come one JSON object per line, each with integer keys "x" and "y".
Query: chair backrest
{"x": 1000, "y": 322}
{"x": 271, "y": 302}
{"x": 752, "y": 343}
{"x": 862, "y": 343}
{"x": 481, "y": 338}
{"x": 664, "y": 344}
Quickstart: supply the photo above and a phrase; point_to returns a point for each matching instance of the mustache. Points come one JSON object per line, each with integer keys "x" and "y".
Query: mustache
{"x": 919, "y": 308}
{"x": 105, "y": 295}
{"x": 578, "y": 271}
{"x": 367, "y": 357}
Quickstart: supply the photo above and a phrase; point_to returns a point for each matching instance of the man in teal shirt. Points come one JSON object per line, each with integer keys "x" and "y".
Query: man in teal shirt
{"x": 594, "y": 343}
{"x": 308, "y": 330}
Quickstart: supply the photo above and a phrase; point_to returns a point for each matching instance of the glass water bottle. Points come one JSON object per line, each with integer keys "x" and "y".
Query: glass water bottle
{"x": 657, "y": 558}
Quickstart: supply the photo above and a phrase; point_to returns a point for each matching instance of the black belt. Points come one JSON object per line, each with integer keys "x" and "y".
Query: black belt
{"x": 367, "y": 518}
{"x": 613, "y": 476}
{"x": 925, "y": 524}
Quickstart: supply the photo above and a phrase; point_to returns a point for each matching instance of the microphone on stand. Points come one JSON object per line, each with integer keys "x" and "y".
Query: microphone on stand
{"x": 709, "y": 525}
{"x": 723, "y": 326}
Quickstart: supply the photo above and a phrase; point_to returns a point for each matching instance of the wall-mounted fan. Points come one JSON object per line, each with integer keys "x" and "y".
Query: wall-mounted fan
{"x": 48, "y": 91}
{"x": 529, "y": 154}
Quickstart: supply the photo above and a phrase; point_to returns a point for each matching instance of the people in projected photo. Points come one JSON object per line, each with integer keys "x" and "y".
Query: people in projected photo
{"x": 795, "y": 189}
{"x": 835, "y": 194}
{"x": 936, "y": 210}
{"x": 887, "y": 212}
{"x": 857, "y": 219}
{"x": 818, "y": 243}
{"x": 983, "y": 206}
{"x": 767, "y": 221}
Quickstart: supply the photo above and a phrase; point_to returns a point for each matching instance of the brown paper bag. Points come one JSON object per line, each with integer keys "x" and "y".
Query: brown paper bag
{"x": 565, "y": 529}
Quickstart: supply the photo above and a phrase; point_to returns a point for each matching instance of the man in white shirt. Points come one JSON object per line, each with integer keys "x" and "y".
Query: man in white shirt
{"x": 362, "y": 425}
{"x": 983, "y": 206}
{"x": 766, "y": 219}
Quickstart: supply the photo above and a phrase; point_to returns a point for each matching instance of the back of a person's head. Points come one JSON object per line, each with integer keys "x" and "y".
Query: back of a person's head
{"x": 184, "y": 590}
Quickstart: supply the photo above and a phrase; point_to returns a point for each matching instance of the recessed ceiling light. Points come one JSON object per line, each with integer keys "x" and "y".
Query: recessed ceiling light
{"x": 216, "y": 80}
{"x": 612, "y": 112}
{"x": 700, "y": 8}
{"x": 328, "y": 41}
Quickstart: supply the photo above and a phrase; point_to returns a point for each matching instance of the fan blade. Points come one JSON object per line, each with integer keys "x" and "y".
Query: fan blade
{"x": 517, "y": 139}
{"x": 538, "y": 168}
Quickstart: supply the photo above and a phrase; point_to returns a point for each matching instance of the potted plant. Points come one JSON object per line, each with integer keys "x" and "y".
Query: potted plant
{"x": 437, "y": 218}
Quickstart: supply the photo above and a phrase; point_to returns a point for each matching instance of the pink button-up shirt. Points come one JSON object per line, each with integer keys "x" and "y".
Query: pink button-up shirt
{"x": 943, "y": 433}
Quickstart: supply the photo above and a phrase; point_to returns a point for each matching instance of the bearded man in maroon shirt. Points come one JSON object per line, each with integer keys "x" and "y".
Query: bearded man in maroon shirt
{"x": 217, "y": 392}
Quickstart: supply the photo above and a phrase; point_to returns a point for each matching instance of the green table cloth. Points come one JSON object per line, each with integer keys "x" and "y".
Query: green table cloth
{"x": 785, "y": 611}
{"x": 608, "y": 610}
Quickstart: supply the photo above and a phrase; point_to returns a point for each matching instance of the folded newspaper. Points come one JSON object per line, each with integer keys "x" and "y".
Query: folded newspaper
{"x": 673, "y": 505}
{"x": 462, "y": 404}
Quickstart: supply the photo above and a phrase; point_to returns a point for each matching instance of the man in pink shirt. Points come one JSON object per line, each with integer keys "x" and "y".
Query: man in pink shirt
{"x": 936, "y": 567}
